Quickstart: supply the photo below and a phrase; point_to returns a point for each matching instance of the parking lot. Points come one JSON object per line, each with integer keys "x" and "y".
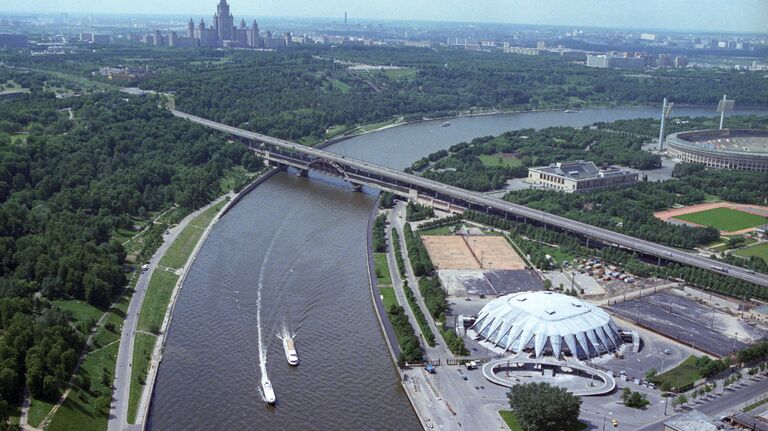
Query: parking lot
{"x": 488, "y": 283}
{"x": 690, "y": 322}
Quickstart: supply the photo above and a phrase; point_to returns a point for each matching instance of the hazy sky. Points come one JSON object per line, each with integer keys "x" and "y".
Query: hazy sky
{"x": 719, "y": 15}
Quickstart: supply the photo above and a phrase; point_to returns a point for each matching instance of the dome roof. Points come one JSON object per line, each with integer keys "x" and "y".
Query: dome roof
{"x": 547, "y": 322}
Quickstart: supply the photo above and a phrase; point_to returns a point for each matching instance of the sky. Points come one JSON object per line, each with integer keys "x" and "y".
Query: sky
{"x": 703, "y": 15}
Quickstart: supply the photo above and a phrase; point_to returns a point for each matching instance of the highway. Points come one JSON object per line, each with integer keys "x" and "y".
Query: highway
{"x": 381, "y": 175}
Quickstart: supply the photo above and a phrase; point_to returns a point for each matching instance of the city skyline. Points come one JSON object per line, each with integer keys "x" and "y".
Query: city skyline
{"x": 707, "y": 15}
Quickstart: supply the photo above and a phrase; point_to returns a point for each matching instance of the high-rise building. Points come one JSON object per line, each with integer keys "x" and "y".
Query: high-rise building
{"x": 222, "y": 33}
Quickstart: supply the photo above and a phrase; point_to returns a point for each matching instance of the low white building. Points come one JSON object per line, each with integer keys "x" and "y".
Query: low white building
{"x": 579, "y": 176}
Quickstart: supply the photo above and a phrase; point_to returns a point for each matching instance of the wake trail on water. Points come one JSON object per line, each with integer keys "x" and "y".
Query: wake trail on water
{"x": 259, "y": 287}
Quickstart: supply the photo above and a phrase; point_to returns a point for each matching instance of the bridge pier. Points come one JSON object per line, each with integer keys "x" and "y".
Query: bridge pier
{"x": 302, "y": 173}
{"x": 357, "y": 187}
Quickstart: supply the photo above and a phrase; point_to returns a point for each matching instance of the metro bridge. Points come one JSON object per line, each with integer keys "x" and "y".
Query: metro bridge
{"x": 454, "y": 199}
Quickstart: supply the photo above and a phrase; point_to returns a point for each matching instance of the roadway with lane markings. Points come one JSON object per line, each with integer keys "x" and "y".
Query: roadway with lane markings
{"x": 382, "y": 176}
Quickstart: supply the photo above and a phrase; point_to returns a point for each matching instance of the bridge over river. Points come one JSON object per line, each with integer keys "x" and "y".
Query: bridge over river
{"x": 360, "y": 173}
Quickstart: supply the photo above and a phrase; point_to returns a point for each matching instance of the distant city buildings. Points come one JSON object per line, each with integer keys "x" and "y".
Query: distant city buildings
{"x": 579, "y": 176}
{"x": 128, "y": 73}
{"x": 222, "y": 33}
{"x": 636, "y": 60}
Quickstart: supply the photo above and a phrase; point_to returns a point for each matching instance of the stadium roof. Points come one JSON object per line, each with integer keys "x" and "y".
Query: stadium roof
{"x": 547, "y": 323}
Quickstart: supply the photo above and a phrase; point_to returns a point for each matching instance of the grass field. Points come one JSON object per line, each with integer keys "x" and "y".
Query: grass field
{"x": 156, "y": 300}
{"x": 142, "y": 353}
{"x": 510, "y": 420}
{"x": 442, "y": 230}
{"x": 78, "y": 411}
{"x": 514, "y": 425}
{"x": 342, "y": 86}
{"x": 388, "y": 297}
{"x": 81, "y": 311}
{"x": 503, "y": 160}
{"x": 38, "y": 410}
{"x": 682, "y": 375}
{"x": 401, "y": 73}
{"x": 382, "y": 269}
{"x": 759, "y": 250}
{"x": 178, "y": 253}
{"x": 374, "y": 126}
{"x": 724, "y": 219}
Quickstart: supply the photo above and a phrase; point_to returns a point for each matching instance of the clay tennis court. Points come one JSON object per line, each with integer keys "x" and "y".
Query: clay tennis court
{"x": 471, "y": 252}
{"x": 751, "y": 209}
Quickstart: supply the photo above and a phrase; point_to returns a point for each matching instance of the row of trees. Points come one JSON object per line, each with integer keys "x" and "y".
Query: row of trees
{"x": 417, "y": 212}
{"x": 702, "y": 278}
{"x": 417, "y": 253}
{"x": 380, "y": 234}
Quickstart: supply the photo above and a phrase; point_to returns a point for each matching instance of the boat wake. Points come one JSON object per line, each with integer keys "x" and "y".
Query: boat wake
{"x": 265, "y": 383}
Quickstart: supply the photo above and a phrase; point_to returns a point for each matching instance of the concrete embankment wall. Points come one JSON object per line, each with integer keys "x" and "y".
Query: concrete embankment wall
{"x": 381, "y": 314}
{"x": 157, "y": 355}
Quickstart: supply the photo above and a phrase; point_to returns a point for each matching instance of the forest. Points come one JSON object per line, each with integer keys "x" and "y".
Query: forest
{"x": 65, "y": 185}
{"x": 301, "y": 93}
{"x": 486, "y": 163}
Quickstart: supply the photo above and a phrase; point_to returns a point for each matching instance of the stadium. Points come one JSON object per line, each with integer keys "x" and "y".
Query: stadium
{"x": 547, "y": 323}
{"x": 740, "y": 149}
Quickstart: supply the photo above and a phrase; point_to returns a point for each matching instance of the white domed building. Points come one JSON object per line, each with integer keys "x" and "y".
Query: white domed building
{"x": 547, "y": 323}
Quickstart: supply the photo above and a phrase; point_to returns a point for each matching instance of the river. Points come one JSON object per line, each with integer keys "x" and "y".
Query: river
{"x": 306, "y": 237}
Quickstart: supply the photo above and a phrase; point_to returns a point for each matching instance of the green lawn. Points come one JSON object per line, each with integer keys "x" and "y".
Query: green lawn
{"x": 374, "y": 126}
{"x": 514, "y": 425}
{"x": 388, "y": 297}
{"x": 38, "y": 410}
{"x": 510, "y": 420}
{"x": 503, "y": 160}
{"x": 400, "y": 73}
{"x": 178, "y": 253}
{"x": 342, "y": 86}
{"x": 680, "y": 376}
{"x": 382, "y": 269}
{"x": 78, "y": 412}
{"x": 725, "y": 219}
{"x": 751, "y": 407}
{"x": 83, "y": 313}
{"x": 156, "y": 300}
{"x": 18, "y": 139}
{"x": 142, "y": 353}
{"x": 759, "y": 250}
{"x": 442, "y": 230}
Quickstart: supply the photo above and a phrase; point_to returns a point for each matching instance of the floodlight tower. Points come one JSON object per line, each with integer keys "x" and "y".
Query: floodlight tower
{"x": 666, "y": 109}
{"x": 723, "y": 106}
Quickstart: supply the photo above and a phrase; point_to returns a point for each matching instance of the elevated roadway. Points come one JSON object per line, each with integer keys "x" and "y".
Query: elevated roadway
{"x": 360, "y": 173}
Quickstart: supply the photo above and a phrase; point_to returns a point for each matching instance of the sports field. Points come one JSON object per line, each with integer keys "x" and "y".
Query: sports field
{"x": 724, "y": 219}
{"x": 759, "y": 250}
{"x": 471, "y": 252}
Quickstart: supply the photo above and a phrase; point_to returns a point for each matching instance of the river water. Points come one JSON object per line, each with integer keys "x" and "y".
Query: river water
{"x": 307, "y": 238}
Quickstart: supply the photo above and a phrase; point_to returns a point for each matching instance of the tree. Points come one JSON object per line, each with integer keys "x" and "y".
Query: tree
{"x": 681, "y": 399}
{"x": 650, "y": 374}
{"x": 541, "y": 407}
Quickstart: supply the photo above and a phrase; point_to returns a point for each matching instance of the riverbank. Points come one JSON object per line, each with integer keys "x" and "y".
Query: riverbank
{"x": 355, "y": 132}
{"x": 142, "y": 410}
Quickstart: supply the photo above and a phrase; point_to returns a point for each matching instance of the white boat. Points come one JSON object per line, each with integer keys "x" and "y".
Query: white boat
{"x": 446, "y": 124}
{"x": 290, "y": 350}
{"x": 269, "y": 393}
{"x": 571, "y": 111}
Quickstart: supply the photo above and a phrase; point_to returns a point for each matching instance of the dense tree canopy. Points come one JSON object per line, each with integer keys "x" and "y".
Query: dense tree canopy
{"x": 543, "y": 407}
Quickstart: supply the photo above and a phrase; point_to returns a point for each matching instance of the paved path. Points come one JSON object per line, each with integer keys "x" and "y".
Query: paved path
{"x": 440, "y": 351}
{"x": 118, "y": 411}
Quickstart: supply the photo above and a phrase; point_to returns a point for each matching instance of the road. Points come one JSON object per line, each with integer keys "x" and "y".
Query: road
{"x": 439, "y": 351}
{"x": 360, "y": 172}
{"x": 727, "y": 402}
{"x": 118, "y": 411}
